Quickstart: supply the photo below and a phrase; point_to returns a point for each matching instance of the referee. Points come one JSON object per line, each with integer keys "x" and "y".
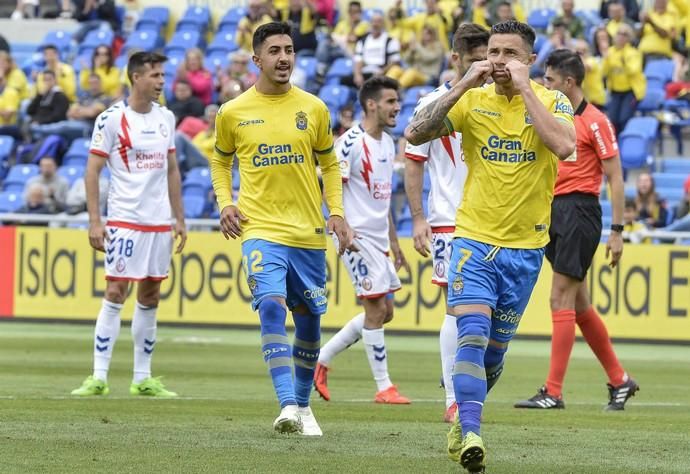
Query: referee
{"x": 575, "y": 233}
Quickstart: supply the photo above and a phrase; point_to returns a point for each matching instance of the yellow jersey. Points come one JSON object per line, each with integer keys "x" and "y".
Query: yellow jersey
{"x": 651, "y": 42}
{"x": 623, "y": 70}
{"x": 17, "y": 80}
{"x": 510, "y": 172}
{"x": 438, "y": 22}
{"x": 593, "y": 84}
{"x": 275, "y": 138}
{"x": 9, "y": 102}
{"x": 110, "y": 80}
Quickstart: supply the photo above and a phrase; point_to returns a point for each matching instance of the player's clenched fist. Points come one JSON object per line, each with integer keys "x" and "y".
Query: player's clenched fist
{"x": 477, "y": 74}
{"x": 97, "y": 236}
{"x": 231, "y": 222}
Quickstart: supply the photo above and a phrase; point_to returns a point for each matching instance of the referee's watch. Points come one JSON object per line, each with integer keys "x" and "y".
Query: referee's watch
{"x": 617, "y": 228}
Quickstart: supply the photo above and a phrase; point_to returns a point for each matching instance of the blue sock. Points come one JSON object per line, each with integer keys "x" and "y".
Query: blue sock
{"x": 305, "y": 353}
{"x": 469, "y": 376}
{"x": 493, "y": 361}
{"x": 276, "y": 350}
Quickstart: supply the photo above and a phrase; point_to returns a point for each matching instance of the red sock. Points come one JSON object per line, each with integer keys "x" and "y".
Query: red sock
{"x": 594, "y": 331}
{"x": 562, "y": 342}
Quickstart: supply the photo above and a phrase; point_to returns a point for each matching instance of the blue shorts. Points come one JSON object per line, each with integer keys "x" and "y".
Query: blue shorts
{"x": 501, "y": 278}
{"x": 298, "y": 275}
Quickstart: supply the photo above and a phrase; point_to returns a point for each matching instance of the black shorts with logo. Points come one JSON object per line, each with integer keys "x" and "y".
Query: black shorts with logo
{"x": 575, "y": 232}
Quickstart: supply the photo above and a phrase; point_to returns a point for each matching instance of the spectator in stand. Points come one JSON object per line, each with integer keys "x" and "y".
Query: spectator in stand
{"x": 622, "y": 67}
{"x": 682, "y": 217}
{"x": 423, "y": 61}
{"x": 602, "y": 42}
{"x": 434, "y": 17}
{"x": 54, "y": 186}
{"x": 199, "y": 78}
{"x": 81, "y": 116}
{"x": 35, "y": 201}
{"x": 257, "y": 15}
{"x": 480, "y": 14}
{"x": 301, "y": 16}
{"x": 14, "y": 76}
{"x": 346, "y": 120}
{"x": 504, "y": 12}
{"x": 375, "y": 53}
{"x": 50, "y": 105}
{"x": 230, "y": 89}
{"x": 4, "y": 45}
{"x": 658, "y": 33}
{"x": 237, "y": 70}
{"x": 631, "y": 225}
{"x": 559, "y": 38}
{"x": 26, "y": 9}
{"x": 92, "y": 14}
{"x": 197, "y": 152}
{"x": 396, "y": 28}
{"x": 651, "y": 209}
{"x": 572, "y": 23}
{"x": 9, "y": 105}
{"x": 342, "y": 41}
{"x": 632, "y": 9}
{"x": 64, "y": 73}
{"x": 326, "y": 9}
{"x": 184, "y": 103}
{"x": 75, "y": 203}
{"x": 617, "y": 17}
{"x": 103, "y": 65}
{"x": 593, "y": 84}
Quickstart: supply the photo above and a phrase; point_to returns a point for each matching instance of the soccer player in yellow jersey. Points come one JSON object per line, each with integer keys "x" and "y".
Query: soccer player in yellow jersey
{"x": 275, "y": 130}
{"x": 513, "y": 133}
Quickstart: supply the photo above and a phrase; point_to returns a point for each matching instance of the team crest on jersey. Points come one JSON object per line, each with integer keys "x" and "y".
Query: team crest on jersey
{"x": 301, "y": 121}
{"x": 458, "y": 285}
{"x": 528, "y": 118}
{"x": 251, "y": 283}
{"x": 367, "y": 284}
{"x": 164, "y": 130}
{"x": 120, "y": 265}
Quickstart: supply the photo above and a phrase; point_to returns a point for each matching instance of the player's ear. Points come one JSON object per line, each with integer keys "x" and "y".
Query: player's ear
{"x": 256, "y": 60}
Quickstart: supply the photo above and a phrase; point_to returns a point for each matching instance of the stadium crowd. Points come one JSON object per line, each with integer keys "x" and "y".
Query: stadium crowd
{"x": 636, "y": 60}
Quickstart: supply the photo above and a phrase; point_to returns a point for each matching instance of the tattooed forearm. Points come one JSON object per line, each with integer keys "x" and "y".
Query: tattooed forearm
{"x": 428, "y": 123}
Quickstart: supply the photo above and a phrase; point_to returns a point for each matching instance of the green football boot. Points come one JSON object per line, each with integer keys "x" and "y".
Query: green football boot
{"x": 151, "y": 387}
{"x": 92, "y": 386}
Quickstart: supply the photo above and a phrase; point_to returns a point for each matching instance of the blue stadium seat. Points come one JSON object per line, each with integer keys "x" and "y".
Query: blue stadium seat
{"x": 652, "y": 101}
{"x": 539, "y": 41}
{"x": 231, "y": 19}
{"x": 413, "y": 95}
{"x": 401, "y": 123}
{"x": 308, "y": 64}
{"x": 341, "y": 67}
{"x": 6, "y": 146}
{"x": 661, "y": 69}
{"x": 182, "y": 41}
{"x": 669, "y": 180}
{"x": 197, "y": 182}
{"x": 158, "y": 17}
{"x": 61, "y": 39}
{"x": 539, "y": 18}
{"x": 10, "y": 201}
{"x": 670, "y": 194}
{"x": 77, "y": 153}
{"x": 676, "y": 165}
{"x": 193, "y": 205}
{"x": 18, "y": 176}
{"x": 646, "y": 126}
{"x": 96, "y": 38}
{"x": 217, "y": 59}
{"x": 637, "y": 142}
{"x": 195, "y": 18}
{"x": 71, "y": 173}
{"x": 369, "y": 12}
{"x": 142, "y": 40}
{"x": 224, "y": 41}
{"x": 335, "y": 96}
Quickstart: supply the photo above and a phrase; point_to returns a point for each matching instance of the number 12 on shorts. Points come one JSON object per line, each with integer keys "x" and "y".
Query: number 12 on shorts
{"x": 466, "y": 254}
{"x": 256, "y": 257}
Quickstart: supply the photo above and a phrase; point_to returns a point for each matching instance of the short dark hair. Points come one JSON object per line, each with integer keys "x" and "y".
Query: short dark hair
{"x": 137, "y": 61}
{"x": 49, "y": 72}
{"x": 273, "y": 28}
{"x": 50, "y": 46}
{"x": 514, "y": 27}
{"x": 567, "y": 63}
{"x": 630, "y": 204}
{"x": 504, "y": 4}
{"x": 354, "y": 3}
{"x": 372, "y": 87}
{"x": 469, "y": 36}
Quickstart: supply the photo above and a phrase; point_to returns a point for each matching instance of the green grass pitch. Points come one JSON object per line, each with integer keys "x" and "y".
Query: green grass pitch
{"x": 222, "y": 422}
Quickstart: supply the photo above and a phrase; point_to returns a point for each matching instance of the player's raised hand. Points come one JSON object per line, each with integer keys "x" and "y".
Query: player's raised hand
{"x": 519, "y": 73}
{"x": 477, "y": 75}
{"x": 231, "y": 222}
{"x": 343, "y": 233}
{"x": 614, "y": 248}
{"x": 97, "y": 236}
{"x": 421, "y": 235}
{"x": 180, "y": 230}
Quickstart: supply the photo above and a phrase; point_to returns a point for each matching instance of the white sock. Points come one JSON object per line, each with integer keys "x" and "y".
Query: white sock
{"x": 348, "y": 335}
{"x": 449, "y": 346}
{"x": 376, "y": 353}
{"x": 144, "y": 337}
{"x": 105, "y": 335}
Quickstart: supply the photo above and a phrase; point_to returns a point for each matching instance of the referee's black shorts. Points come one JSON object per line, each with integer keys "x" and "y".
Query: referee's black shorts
{"x": 575, "y": 233}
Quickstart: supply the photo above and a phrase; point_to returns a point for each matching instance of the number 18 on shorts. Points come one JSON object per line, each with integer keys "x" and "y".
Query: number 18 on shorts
{"x": 137, "y": 255}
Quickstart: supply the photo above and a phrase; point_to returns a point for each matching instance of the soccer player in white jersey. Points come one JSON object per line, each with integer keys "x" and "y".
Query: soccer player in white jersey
{"x": 447, "y": 170}
{"x": 136, "y": 139}
{"x": 366, "y": 154}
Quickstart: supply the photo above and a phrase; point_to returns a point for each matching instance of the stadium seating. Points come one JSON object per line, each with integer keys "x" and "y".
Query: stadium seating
{"x": 676, "y": 165}
{"x": 606, "y": 208}
{"x": 231, "y": 19}
{"x": 95, "y": 39}
{"x": 18, "y": 176}
{"x": 335, "y": 96}
{"x": 660, "y": 69}
{"x": 308, "y": 64}
{"x": 216, "y": 60}
{"x": 197, "y": 182}
{"x": 6, "y": 147}
{"x": 182, "y": 41}
{"x": 341, "y": 67}
{"x": 402, "y": 122}
{"x": 669, "y": 180}
{"x": 195, "y": 18}
{"x": 61, "y": 39}
{"x": 637, "y": 142}
{"x": 193, "y": 205}
{"x": 77, "y": 153}
{"x": 10, "y": 201}
{"x": 71, "y": 173}
{"x": 652, "y": 101}
{"x": 145, "y": 40}
{"x": 413, "y": 95}
{"x": 539, "y": 18}
{"x": 223, "y": 42}
{"x": 155, "y": 17}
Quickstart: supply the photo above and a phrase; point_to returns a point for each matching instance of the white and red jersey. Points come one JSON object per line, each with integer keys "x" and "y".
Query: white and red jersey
{"x": 366, "y": 165}
{"x": 136, "y": 147}
{"x": 447, "y": 170}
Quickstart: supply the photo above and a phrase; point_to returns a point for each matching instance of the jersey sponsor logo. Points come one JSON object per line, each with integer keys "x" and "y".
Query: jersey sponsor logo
{"x": 301, "y": 121}
{"x": 244, "y": 123}
{"x": 506, "y": 151}
{"x": 149, "y": 160}
{"x": 458, "y": 285}
{"x": 509, "y": 316}
{"x": 315, "y": 293}
{"x": 599, "y": 138}
{"x": 382, "y": 190}
{"x": 490, "y": 113}
{"x": 272, "y": 155}
{"x": 562, "y": 107}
